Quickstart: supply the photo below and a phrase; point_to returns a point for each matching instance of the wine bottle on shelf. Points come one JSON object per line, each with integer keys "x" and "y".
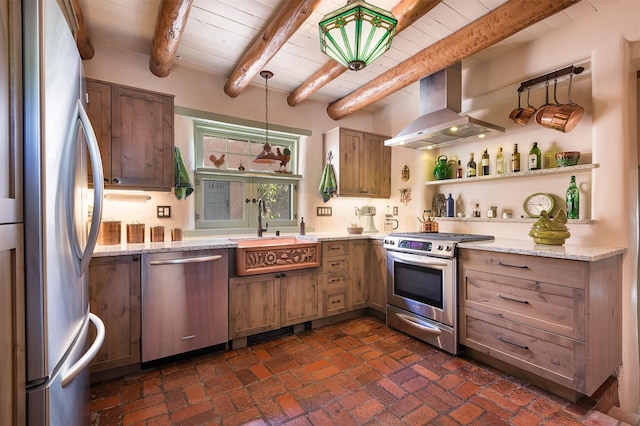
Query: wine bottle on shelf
{"x": 500, "y": 169}
{"x": 459, "y": 172}
{"x": 535, "y": 157}
{"x": 573, "y": 200}
{"x": 515, "y": 159}
{"x": 485, "y": 163}
{"x": 471, "y": 167}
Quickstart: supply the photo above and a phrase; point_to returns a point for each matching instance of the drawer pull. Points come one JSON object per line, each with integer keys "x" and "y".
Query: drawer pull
{"x": 526, "y": 302}
{"x": 335, "y": 248}
{"x": 511, "y": 266}
{"x": 335, "y": 264}
{"x": 188, "y": 337}
{"x": 336, "y": 280}
{"x": 336, "y": 301}
{"x": 526, "y": 348}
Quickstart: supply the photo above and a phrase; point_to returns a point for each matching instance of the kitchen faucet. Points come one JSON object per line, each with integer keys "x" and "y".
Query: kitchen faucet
{"x": 261, "y": 209}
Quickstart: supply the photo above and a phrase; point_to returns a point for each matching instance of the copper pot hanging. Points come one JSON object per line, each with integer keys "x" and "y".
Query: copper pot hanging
{"x": 564, "y": 117}
{"x": 527, "y": 112}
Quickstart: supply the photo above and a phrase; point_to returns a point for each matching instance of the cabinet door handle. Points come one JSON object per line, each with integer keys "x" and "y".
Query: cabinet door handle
{"x": 511, "y": 266}
{"x": 188, "y": 337}
{"x": 526, "y": 302}
{"x": 116, "y": 181}
{"x": 526, "y": 348}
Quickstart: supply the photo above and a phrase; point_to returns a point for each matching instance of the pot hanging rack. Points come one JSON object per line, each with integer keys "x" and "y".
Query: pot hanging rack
{"x": 571, "y": 69}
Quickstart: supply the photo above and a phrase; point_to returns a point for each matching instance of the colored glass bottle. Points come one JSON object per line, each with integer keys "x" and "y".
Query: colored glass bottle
{"x": 471, "y": 167}
{"x": 515, "y": 159}
{"x": 535, "y": 157}
{"x": 573, "y": 200}
{"x": 485, "y": 163}
{"x": 450, "y": 206}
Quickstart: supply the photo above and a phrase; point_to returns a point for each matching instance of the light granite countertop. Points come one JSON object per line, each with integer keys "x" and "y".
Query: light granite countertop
{"x": 209, "y": 243}
{"x": 527, "y": 247}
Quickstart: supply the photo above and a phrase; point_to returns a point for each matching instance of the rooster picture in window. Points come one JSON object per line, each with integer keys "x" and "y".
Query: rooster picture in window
{"x": 217, "y": 161}
{"x": 284, "y": 158}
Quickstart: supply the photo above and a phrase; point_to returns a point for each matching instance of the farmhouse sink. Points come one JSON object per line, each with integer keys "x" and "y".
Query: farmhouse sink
{"x": 278, "y": 254}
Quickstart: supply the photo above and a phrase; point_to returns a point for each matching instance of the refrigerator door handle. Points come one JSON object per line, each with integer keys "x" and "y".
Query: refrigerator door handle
{"x": 98, "y": 187}
{"x": 84, "y": 361}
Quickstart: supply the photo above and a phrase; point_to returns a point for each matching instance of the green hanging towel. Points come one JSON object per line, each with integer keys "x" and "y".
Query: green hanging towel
{"x": 328, "y": 185}
{"x": 183, "y": 186}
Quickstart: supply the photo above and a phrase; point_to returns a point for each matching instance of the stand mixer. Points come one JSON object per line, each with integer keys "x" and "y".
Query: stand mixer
{"x": 369, "y": 212}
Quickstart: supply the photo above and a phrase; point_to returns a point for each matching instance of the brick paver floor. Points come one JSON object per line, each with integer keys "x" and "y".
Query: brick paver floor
{"x": 356, "y": 372}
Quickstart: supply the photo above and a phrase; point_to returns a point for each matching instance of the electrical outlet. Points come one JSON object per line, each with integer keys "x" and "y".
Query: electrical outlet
{"x": 395, "y": 210}
{"x": 163, "y": 212}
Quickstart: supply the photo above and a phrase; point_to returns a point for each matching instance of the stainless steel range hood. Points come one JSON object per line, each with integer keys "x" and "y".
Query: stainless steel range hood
{"x": 440, "y": 122}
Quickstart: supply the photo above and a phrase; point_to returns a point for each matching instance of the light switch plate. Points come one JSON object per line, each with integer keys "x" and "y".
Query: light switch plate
{"x": 163, "y": 211}
{"x": 395, "y": 210}
{"x": 324, "y": 211}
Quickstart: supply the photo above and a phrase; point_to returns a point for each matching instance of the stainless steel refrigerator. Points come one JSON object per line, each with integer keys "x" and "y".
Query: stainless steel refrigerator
{"x": 59, "y": 145}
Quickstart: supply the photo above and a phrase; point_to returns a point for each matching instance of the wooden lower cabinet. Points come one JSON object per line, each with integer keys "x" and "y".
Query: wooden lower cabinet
{"x": 260, "y": 303}
{"x": 559, "y": 320}
{"x": 114, "y": 296}
{"x": 300, "y": 296}
{"x": 359, "y": 273}
{"x": 377, "y": 276}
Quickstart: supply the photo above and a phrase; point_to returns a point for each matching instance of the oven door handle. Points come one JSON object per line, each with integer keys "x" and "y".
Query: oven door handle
{"x": 419, "y": 259}
{"x": 429, "y": 328}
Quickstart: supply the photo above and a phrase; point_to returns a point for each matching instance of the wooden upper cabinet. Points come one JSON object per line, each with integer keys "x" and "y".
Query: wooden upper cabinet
{"x": 361, "y": 162}
{"x": 99, "y": 111}
{"x": 135, "y": 131}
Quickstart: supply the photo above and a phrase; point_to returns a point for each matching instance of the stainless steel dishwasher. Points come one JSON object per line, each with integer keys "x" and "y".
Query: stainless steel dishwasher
{"x": 184, "y": 302}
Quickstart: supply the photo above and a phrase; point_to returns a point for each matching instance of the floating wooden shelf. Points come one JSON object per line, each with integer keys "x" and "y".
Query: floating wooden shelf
{"x": 534, "y": 173}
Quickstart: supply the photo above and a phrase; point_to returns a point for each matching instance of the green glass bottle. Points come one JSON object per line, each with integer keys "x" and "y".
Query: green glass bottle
{"x": 535, "y": 157}
{"x": 573, "y": 200}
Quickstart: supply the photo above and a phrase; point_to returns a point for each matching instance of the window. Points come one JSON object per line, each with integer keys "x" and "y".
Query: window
{"x": 229, "y": 184}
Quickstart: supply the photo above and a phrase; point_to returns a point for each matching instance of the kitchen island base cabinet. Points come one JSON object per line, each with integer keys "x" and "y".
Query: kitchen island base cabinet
{"x": 556, "y": 319}
{"x": 184, "y": 302}
{"x": 114, "y": 295}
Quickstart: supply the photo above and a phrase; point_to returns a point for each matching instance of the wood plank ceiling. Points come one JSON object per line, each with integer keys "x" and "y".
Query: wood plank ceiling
{"x": 235, "y": 39}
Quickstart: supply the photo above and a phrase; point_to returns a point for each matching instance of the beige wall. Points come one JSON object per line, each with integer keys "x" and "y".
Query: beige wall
{"x": 606, "y": 45}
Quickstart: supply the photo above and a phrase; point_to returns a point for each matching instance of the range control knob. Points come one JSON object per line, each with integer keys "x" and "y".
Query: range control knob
{"x": 448, "y": 248}
{"x": 440, "y": 248}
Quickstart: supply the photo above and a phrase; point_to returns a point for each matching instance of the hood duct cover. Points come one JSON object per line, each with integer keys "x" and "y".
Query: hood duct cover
{"x": 440, "y": 122}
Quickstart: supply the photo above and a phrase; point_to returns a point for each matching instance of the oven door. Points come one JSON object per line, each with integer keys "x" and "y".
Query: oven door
{"x": 423, "y": 285}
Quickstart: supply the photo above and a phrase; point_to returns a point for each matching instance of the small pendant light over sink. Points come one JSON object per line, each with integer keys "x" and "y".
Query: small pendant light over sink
{"x": 266, "y": 156}
{"x": 357, "y": 34}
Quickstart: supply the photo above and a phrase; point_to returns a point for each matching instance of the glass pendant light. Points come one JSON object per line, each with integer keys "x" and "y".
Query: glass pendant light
{"x": 266, "y": 156}
{"x": 357, "y": 34}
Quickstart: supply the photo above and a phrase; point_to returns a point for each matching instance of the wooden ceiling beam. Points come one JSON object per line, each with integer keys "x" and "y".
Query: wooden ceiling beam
{"x": 85, "y": 47}
{"x": 495, "y": 26}
{"x": 406, "y": 12}
{"x": 281, "y": 27}
{"x": 171, "y": 22}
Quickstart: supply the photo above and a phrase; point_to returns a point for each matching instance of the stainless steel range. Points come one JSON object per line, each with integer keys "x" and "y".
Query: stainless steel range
{"x": 422, "y": 285}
